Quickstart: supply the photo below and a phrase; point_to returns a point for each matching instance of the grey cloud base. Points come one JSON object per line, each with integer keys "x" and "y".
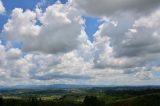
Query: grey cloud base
{"x": 109, "y": 7}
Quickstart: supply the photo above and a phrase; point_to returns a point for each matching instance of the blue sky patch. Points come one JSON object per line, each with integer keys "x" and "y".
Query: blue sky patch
{"x": 91, "y": 25}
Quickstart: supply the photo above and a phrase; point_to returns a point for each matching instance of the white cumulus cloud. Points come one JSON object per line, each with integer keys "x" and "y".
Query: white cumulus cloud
{"x": 57, "y": 31}
{"x": 2, "y": 8}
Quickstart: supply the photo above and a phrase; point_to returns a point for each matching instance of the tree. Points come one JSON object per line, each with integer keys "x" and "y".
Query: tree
{"x": 91, "y": 101}
{"x": 1, "y": 101}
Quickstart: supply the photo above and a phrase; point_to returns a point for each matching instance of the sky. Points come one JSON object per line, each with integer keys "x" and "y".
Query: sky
{"x": 87, "y": 42}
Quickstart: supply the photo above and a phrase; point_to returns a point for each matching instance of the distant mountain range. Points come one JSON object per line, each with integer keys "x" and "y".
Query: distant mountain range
{"x": 54, "y": 86}
{"x": 65, "y": 86}
{"x": 67, "y": 89}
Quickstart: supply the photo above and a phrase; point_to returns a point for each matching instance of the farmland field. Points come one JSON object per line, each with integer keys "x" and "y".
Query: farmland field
{"x": 93, "y": 96}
